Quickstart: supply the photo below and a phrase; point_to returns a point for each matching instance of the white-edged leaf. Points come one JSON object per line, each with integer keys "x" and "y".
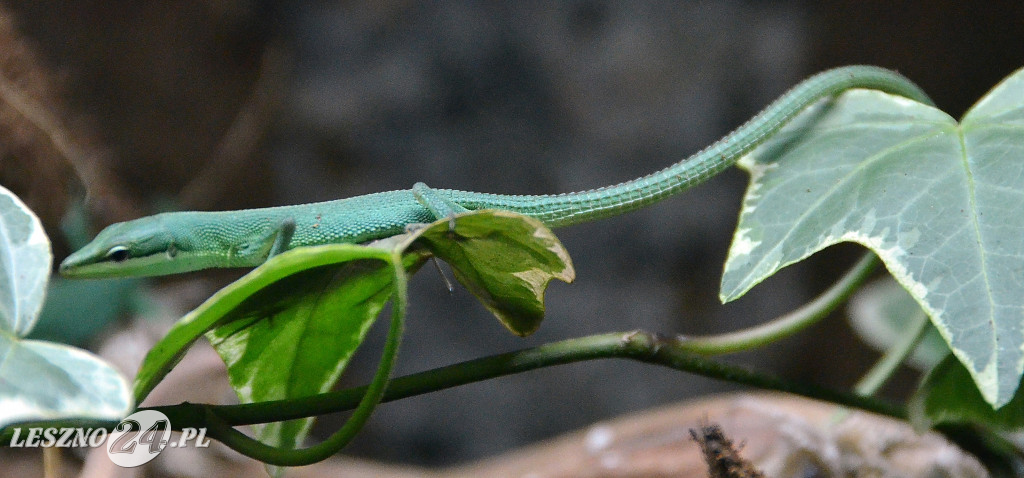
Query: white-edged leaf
{"x": 42, "y": 380}
{"x": 940, "y": 202}
{"x": 25, "y": 261}
{"x": 46, "y": 381}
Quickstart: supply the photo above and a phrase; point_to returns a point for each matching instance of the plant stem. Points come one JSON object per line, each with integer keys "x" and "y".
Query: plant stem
{"x": 680, "y": 353}
{"x": 789, "y": 324}
{"x": 891, "y": 360}
{"x": 638, "y": 345}
{"x": 641, "y": 346}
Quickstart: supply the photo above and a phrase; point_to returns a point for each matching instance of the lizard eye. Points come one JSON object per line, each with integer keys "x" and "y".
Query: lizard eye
{"x": 118, "y": 253}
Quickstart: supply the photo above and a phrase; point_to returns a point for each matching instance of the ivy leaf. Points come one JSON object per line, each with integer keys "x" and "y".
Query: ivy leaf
{"x": 41, "y": 380}
{"x": 938, "y": 201}
{"x": 948, "y": 395}
{"x": 288, "y": 328}
{"x": 505, "y": 259}
{"x": 48, "y": 381}
{"x": 299, "y": 286}
{"x": 24, "y": 265}
{"x": 295, "y": 337}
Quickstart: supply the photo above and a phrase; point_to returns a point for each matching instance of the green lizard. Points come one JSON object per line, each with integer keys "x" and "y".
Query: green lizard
{"x": 176, "y": 242}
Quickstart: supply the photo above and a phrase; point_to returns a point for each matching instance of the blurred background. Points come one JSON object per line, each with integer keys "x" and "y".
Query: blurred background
{"x": 146, "y": 106}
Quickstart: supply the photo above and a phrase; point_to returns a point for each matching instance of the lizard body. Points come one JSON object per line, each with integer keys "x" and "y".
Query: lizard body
{"x": 176, "y": 242}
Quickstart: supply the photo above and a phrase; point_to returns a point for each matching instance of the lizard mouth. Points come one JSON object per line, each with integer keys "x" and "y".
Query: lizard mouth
{"x": 83, "y": 265}
{"x": 86, "y": 266}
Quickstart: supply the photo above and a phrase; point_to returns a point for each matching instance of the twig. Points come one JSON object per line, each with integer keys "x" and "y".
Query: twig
{"x": 638, "y": 345}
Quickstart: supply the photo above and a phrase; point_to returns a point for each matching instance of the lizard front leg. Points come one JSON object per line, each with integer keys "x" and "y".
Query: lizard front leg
{"x": 437, "y": 204}
{"x": 282, "y": 237}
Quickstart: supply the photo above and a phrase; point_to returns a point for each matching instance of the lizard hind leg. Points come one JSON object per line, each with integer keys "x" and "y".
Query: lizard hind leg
{"x": 437, "y": 204}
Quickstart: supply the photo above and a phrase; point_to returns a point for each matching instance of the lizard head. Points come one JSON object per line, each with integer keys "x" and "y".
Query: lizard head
{"x": 142, "y": 247}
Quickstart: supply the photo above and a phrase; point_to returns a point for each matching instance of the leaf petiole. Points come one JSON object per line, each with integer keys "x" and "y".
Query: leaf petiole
{"x": 883, "y": 370}
{"x": 788, "y": 324}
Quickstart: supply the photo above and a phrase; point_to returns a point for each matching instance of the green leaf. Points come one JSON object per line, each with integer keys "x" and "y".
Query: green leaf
{"x": 505, "y": 259}
{"x": 253, "y": 293}
{"x": 882, "y": 311}
{"x": 288, "y": 328}
{"x": 40, "y": 380}
{"x": 295, "y": 337}
{"x": 25, "y": 261}
{"x": 938, "y": 201}
{"x": 948, "y": 395}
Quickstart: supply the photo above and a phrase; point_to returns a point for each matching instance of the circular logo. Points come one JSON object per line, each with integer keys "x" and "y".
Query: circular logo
{"x": 139, "y": 438}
